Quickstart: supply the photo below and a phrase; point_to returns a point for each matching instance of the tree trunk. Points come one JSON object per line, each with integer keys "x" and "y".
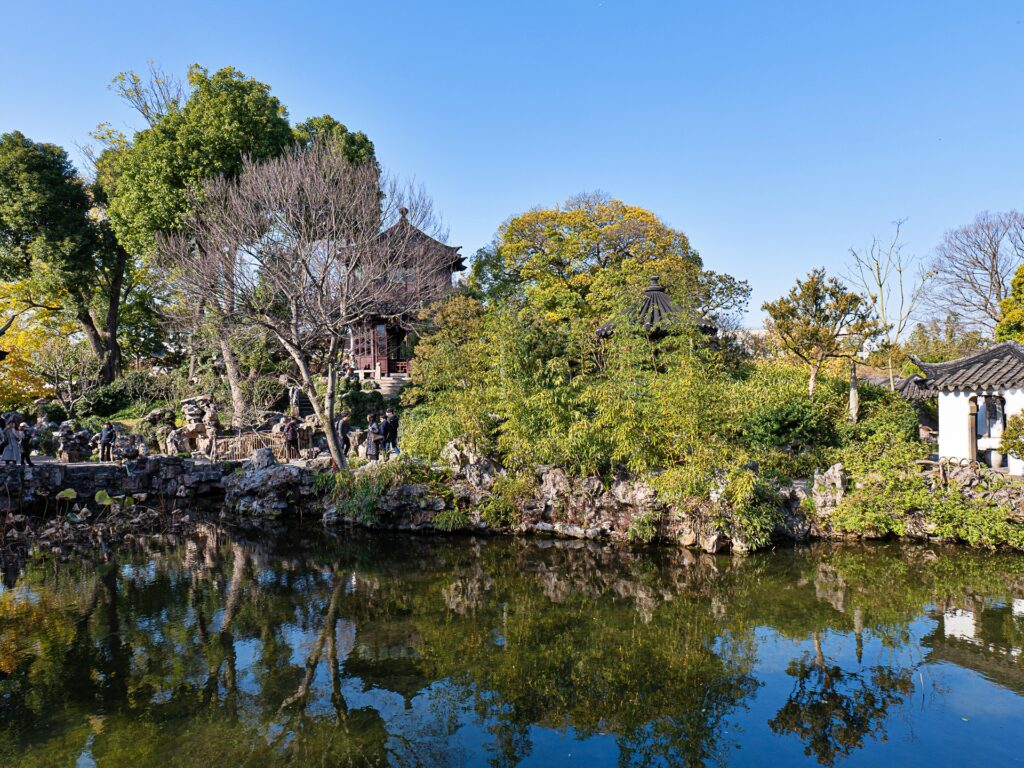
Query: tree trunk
{"x": 112, "y": 323}
{"x": 239, "y": 407}
{"x": 308, "y": 386}
{"x": 854, "y": 393}
{"x": 892, "y": 377}
{"x": 812, "y": 382}
{"x": 96, "y": 342}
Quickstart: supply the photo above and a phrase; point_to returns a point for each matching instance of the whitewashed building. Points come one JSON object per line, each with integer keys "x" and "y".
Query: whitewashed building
{"x": 976, "y": 395}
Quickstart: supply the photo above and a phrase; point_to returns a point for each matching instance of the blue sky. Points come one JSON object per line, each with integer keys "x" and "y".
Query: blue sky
{"x": 776, "y": 135}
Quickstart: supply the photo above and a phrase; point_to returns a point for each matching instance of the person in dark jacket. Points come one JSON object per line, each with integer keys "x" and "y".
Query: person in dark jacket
{"x": 373, "y": 437}
{"x": 107, "y": 435}
{"x": 391, "y": 431}
{"x": 291, "y": 438}
{"x": 27, "y": 440}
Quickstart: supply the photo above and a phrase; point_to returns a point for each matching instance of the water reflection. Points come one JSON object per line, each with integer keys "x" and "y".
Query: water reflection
{"x": 409, "y": 651}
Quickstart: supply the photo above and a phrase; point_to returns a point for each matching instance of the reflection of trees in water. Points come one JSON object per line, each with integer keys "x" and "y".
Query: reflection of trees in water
{"x": 369, "y": 651}
{"x": 833, "y": 710}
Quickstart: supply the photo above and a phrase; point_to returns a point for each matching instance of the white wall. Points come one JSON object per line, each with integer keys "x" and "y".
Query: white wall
{"x": 954, "y": 411}
{"x": 954, "y": 437}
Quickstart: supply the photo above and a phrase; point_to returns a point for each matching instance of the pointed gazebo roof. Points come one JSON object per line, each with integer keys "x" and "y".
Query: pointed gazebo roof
{"x": 654, "y": 309}
{"x": 405, "y": 231}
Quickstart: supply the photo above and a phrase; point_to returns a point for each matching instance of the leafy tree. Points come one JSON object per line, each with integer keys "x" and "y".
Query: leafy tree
{"x": 54, "y": 240}
{"x": 1011, "y": 311}
{"x": 150, "y": 177}
{"x": 937, "y": 341}
{"x": 356, "y": 146}
{"x": 226, "y": 117}
{"x": 820, "y": 319}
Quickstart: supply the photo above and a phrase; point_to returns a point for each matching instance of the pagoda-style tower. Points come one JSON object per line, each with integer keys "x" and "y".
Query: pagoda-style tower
{"x": 382, "y": 347}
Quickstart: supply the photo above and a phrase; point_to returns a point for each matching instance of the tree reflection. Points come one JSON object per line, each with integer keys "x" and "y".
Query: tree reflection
{"x": 402, "y": 651}
{"x": 833, "y": 710}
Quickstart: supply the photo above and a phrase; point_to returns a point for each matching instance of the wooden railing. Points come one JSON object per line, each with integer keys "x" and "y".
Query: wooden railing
{"x": 243, "y": 446}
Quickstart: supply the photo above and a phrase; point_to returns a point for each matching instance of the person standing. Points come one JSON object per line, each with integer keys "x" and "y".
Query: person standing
{"x": 107, "y": 435}
{"x": 342, "y": 430}
{"x": 373, "y": 437}
{"x": 28, "y": 437}
{"x": 291, "y": 438}
{"x": 12, "y": 444}
{"x": 391, "y": 431}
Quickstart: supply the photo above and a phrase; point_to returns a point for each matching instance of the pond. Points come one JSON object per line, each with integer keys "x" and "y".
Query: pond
{"x": 403, "y": 650}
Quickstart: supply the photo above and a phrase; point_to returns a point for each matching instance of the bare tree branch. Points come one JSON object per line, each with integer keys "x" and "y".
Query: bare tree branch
{"x": 973, "y": 267}
{"x": 308, "y": 247}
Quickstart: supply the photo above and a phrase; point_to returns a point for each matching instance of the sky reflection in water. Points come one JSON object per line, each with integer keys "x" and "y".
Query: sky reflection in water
{"x": 412, "y": 651}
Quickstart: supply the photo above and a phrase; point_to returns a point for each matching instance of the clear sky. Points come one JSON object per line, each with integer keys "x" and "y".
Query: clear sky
{"x": 775, "y": 134}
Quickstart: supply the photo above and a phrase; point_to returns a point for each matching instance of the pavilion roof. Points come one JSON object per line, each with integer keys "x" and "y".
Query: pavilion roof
{"x": 1000, "y": 366}
{"x": 407, "y": 232}
{"x": 654, "y": 308}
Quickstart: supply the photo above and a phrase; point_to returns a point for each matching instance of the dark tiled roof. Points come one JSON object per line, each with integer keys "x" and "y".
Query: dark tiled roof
{"x": 407, "y": 233}
{"x": 654, "y": 308}
{"x": 998, "y": 367}
{"x": 911, "y": 388}
{"x": 914, "y": 388}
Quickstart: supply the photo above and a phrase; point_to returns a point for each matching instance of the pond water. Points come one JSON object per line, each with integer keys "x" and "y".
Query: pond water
{"x": 398, "y": 650}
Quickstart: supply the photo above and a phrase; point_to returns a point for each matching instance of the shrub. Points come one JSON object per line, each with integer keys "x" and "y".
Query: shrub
{"x": 643, "y": 529}
{"x": 136, "y": 389}
{"x": 888, "y": 484}
{"x": 796, "y": 424}
{"x": 498, "y": 512}
{"x": 451, "y": 519}
{"x": 501, "y": 509}
{"x": 1013, "y": 436}
{"x": 753, "y": 507}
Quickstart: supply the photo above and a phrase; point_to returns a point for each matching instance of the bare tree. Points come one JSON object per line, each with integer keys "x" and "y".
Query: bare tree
{"x": 154, "y": 96}
{"x": 973, "y": 267}
{"x": 70, "y": 370}
{"x": 892, "y": 283}
{"x": 309, "y": 247}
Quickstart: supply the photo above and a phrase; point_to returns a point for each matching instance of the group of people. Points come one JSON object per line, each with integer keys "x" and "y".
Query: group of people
{"x": 381, "y": 434}
{"x": 16, "y": 442}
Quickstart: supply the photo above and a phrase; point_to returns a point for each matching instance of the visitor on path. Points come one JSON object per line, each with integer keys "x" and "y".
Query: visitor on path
{"x": 11, "y": 439}
{"x": 291, "y": 438}
{"x": 373, "y": 437}
{"x": 342, "y": 429}
{"x": 391, "y": 432}
{"x": 107, "y": 435}
{"x": 27, "y": 440}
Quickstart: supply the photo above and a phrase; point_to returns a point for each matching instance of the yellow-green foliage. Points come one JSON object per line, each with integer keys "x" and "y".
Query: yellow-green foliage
{"x": 501, "y": 509}
{"x": 752, "y": 507}
{"x": 517, "y": 370}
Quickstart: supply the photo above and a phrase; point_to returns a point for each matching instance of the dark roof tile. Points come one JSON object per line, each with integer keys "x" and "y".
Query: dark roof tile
{"x": 1000, "y": 366}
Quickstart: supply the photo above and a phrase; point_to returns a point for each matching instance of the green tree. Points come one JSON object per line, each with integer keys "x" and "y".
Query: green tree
{"x": 356, "y": 146}
{"x": 820, "y": 319}
{"x": 226, "y": 118}
{"x": 1011, "y": 311}
{"x": 54, "y": 236}
{"x": 937, "y": 341}
{"x": 149, "y": 178}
